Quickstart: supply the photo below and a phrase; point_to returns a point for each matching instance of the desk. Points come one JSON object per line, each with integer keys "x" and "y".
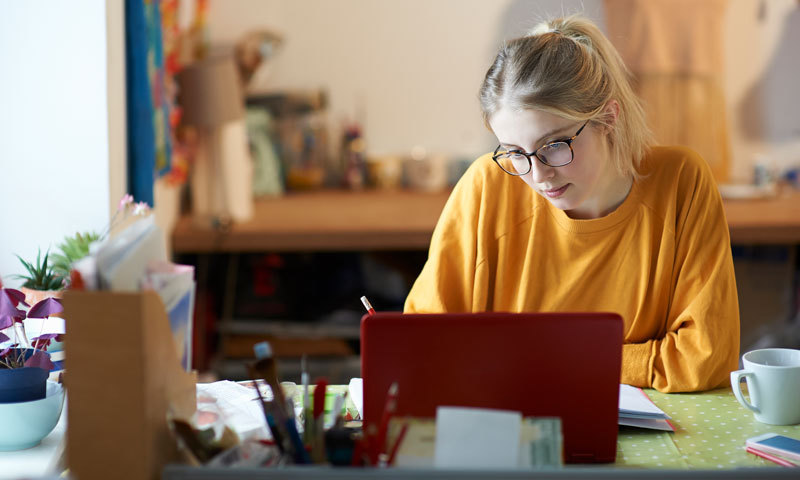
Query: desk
{"x": 711, "y": 428}
{"x": 396, "y": 220}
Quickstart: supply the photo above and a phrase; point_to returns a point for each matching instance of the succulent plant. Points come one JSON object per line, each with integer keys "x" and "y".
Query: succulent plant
{"x": 40, "y": 274}
{"x": 71, "y": 250}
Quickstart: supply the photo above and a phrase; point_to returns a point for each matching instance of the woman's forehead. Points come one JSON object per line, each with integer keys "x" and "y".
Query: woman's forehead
{"x": 523, "y": 127}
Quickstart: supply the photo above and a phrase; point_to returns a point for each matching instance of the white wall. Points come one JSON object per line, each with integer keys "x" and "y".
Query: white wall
{"x": 54, "y": 123}
{"x": 414, "y": 66}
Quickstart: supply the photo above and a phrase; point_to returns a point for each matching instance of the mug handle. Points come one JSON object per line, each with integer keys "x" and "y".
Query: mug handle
{"x": 736, "y": 386}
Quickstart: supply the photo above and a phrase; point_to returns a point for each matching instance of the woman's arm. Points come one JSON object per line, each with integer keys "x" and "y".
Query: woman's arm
{"x": 700, "y": 346}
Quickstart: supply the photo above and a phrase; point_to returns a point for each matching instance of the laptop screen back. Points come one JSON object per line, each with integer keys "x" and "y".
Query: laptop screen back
{"x": 565, "y": 365}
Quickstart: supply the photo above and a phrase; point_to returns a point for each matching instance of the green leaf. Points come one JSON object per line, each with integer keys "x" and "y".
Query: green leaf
{"x": 40, "y": 275}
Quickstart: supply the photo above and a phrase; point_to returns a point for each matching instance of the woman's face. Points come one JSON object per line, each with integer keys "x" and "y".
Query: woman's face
{"x": 589, "y": 187}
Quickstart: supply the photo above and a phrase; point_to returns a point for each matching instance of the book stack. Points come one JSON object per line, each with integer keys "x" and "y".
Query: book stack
{"x": 637, "y": 410}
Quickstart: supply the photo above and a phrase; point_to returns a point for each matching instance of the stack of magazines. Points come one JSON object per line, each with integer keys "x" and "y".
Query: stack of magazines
{"x": 637, "y": 410}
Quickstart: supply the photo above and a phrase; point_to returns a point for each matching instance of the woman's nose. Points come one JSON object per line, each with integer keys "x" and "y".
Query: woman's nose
{"x": 540, "y": 172}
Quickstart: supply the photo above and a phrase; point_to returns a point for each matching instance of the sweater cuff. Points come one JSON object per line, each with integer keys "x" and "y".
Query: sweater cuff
{"x": 637, "y": 364}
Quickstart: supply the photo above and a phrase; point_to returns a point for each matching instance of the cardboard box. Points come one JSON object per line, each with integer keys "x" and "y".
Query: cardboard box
{"x": 123, "y": 375}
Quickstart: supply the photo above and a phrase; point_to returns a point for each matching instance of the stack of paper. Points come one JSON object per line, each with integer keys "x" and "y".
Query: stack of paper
{"x": 136, "y": 259}
{"x": 637, "y": 410}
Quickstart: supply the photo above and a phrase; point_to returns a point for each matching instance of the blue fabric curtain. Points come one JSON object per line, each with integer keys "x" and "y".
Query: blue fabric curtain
{"x": 148, "y": 125}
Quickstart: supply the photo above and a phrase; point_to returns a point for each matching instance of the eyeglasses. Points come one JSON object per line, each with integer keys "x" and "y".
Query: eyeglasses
{"x": 553, "y": 154}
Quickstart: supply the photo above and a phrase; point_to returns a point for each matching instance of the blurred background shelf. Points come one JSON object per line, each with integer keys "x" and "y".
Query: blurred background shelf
{"x": 293, "y": 274}
{"x": 337, "y": 220}
{"x": 328, "y": 220}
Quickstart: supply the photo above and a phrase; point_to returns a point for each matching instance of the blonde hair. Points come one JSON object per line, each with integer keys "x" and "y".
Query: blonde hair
{"x": 567, "y": 67}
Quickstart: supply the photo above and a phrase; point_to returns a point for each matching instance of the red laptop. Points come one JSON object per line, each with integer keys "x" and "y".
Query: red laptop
{"x": 542, "y": 364}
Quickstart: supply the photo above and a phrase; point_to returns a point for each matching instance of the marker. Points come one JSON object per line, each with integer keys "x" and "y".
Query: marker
{"x": 318, "y": 441}
{"x": 368, "y": 306}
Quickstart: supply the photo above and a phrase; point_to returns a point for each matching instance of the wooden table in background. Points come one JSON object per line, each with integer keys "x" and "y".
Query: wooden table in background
{"x": 323, "y": 221}
{"x": 772, "y": 221}
{"x": 403, "y": 220}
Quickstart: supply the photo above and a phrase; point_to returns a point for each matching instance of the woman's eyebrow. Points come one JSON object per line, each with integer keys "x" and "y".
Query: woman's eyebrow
{"x": 540, "y": 140}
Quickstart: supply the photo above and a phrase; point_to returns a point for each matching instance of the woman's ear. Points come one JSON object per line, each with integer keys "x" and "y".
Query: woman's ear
{"x": 610, "y": 114}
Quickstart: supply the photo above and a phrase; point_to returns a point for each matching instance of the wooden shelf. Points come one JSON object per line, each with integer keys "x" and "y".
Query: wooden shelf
{"x": 772, "y": 221}
{"x": 323, "y": 221}
{"x": 404, "y": 220}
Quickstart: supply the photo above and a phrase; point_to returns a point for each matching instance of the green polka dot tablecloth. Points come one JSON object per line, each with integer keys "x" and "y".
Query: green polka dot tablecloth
{"x": 710, "y": 431}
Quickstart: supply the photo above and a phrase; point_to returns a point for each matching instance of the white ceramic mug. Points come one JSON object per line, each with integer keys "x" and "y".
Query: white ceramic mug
{"x": 773, "y": 382}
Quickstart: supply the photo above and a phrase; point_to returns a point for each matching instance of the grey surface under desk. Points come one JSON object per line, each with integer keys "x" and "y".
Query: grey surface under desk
{"x": 180, "y": 472}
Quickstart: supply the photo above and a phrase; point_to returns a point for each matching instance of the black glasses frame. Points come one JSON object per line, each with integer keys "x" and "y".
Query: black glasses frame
{"x": 534, "y": 153}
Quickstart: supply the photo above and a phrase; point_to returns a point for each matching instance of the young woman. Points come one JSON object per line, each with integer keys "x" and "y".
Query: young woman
{"x": 576, "y": 211}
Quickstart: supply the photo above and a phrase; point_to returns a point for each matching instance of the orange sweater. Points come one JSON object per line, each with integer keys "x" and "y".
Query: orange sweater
{"x": 662, "y": 260}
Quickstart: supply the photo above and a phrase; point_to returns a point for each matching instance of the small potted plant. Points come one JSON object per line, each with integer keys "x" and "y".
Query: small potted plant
{"x": 70, "y": 250}
{"x": 41, "y": 281}
{"x": 24, "y": 362}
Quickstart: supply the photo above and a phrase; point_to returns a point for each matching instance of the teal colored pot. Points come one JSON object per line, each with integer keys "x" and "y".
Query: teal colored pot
{"x": 23, "y": 384}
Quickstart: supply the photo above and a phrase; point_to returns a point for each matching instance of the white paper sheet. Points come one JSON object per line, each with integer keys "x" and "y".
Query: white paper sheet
{"x": 356, "y": 388}
{"x": 633, "y": 402}
{"x": 477, "y": 438}
{"x": 239, "y": 406}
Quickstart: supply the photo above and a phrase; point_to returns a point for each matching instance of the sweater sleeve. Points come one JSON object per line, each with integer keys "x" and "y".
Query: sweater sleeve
{"x": 700, "y": 345}
{"x": 447, "y": 281}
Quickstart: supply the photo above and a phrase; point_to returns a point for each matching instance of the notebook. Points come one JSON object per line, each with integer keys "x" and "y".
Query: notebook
{"x": 541, "y": 364}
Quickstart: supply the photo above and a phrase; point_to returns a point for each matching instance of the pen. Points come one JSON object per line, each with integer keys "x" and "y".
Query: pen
{"x": 318, "y": 442}
{"x": 388, "y": 411}
{"x": 307, "y": 420}
{"x": 265, "y": 367}
{"x": 300, "y": 454}
{"x": 273, "y": 428}
{"x": 397, "y": 443}
{"x": 367, "y": 305}
{"x": 771, "y": 458}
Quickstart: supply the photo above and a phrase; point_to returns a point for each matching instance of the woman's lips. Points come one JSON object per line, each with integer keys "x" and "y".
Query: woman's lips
{"x": 556, "y": 192}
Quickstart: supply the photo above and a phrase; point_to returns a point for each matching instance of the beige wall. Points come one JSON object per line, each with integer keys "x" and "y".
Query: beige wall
{"x": 410, "y": 69}
{"x": 754, "y": 32}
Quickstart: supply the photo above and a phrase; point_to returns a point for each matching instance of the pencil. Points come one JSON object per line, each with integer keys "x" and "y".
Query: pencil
{"x": 367, "y": 305}
{"x": 770, "y": 457}
{"x": 397, "y": 443}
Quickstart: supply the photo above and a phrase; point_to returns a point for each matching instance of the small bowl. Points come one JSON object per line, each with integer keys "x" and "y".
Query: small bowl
{"x": 25, "y": 424}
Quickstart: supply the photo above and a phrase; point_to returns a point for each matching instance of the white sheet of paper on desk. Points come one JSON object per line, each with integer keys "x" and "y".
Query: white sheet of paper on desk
{"x": 635, "y": 403}
{"x": 477, "y": 438}
{"x": 239, "y": 406}
{"x": 356, "y": 389}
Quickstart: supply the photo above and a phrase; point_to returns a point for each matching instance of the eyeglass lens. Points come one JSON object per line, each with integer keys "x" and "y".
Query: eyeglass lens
{"x": 553, "y": 154}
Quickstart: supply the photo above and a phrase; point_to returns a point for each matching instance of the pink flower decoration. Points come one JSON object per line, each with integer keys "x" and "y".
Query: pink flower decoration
{"x": 141, "y": 208}
{"x": 126, "y": 200}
